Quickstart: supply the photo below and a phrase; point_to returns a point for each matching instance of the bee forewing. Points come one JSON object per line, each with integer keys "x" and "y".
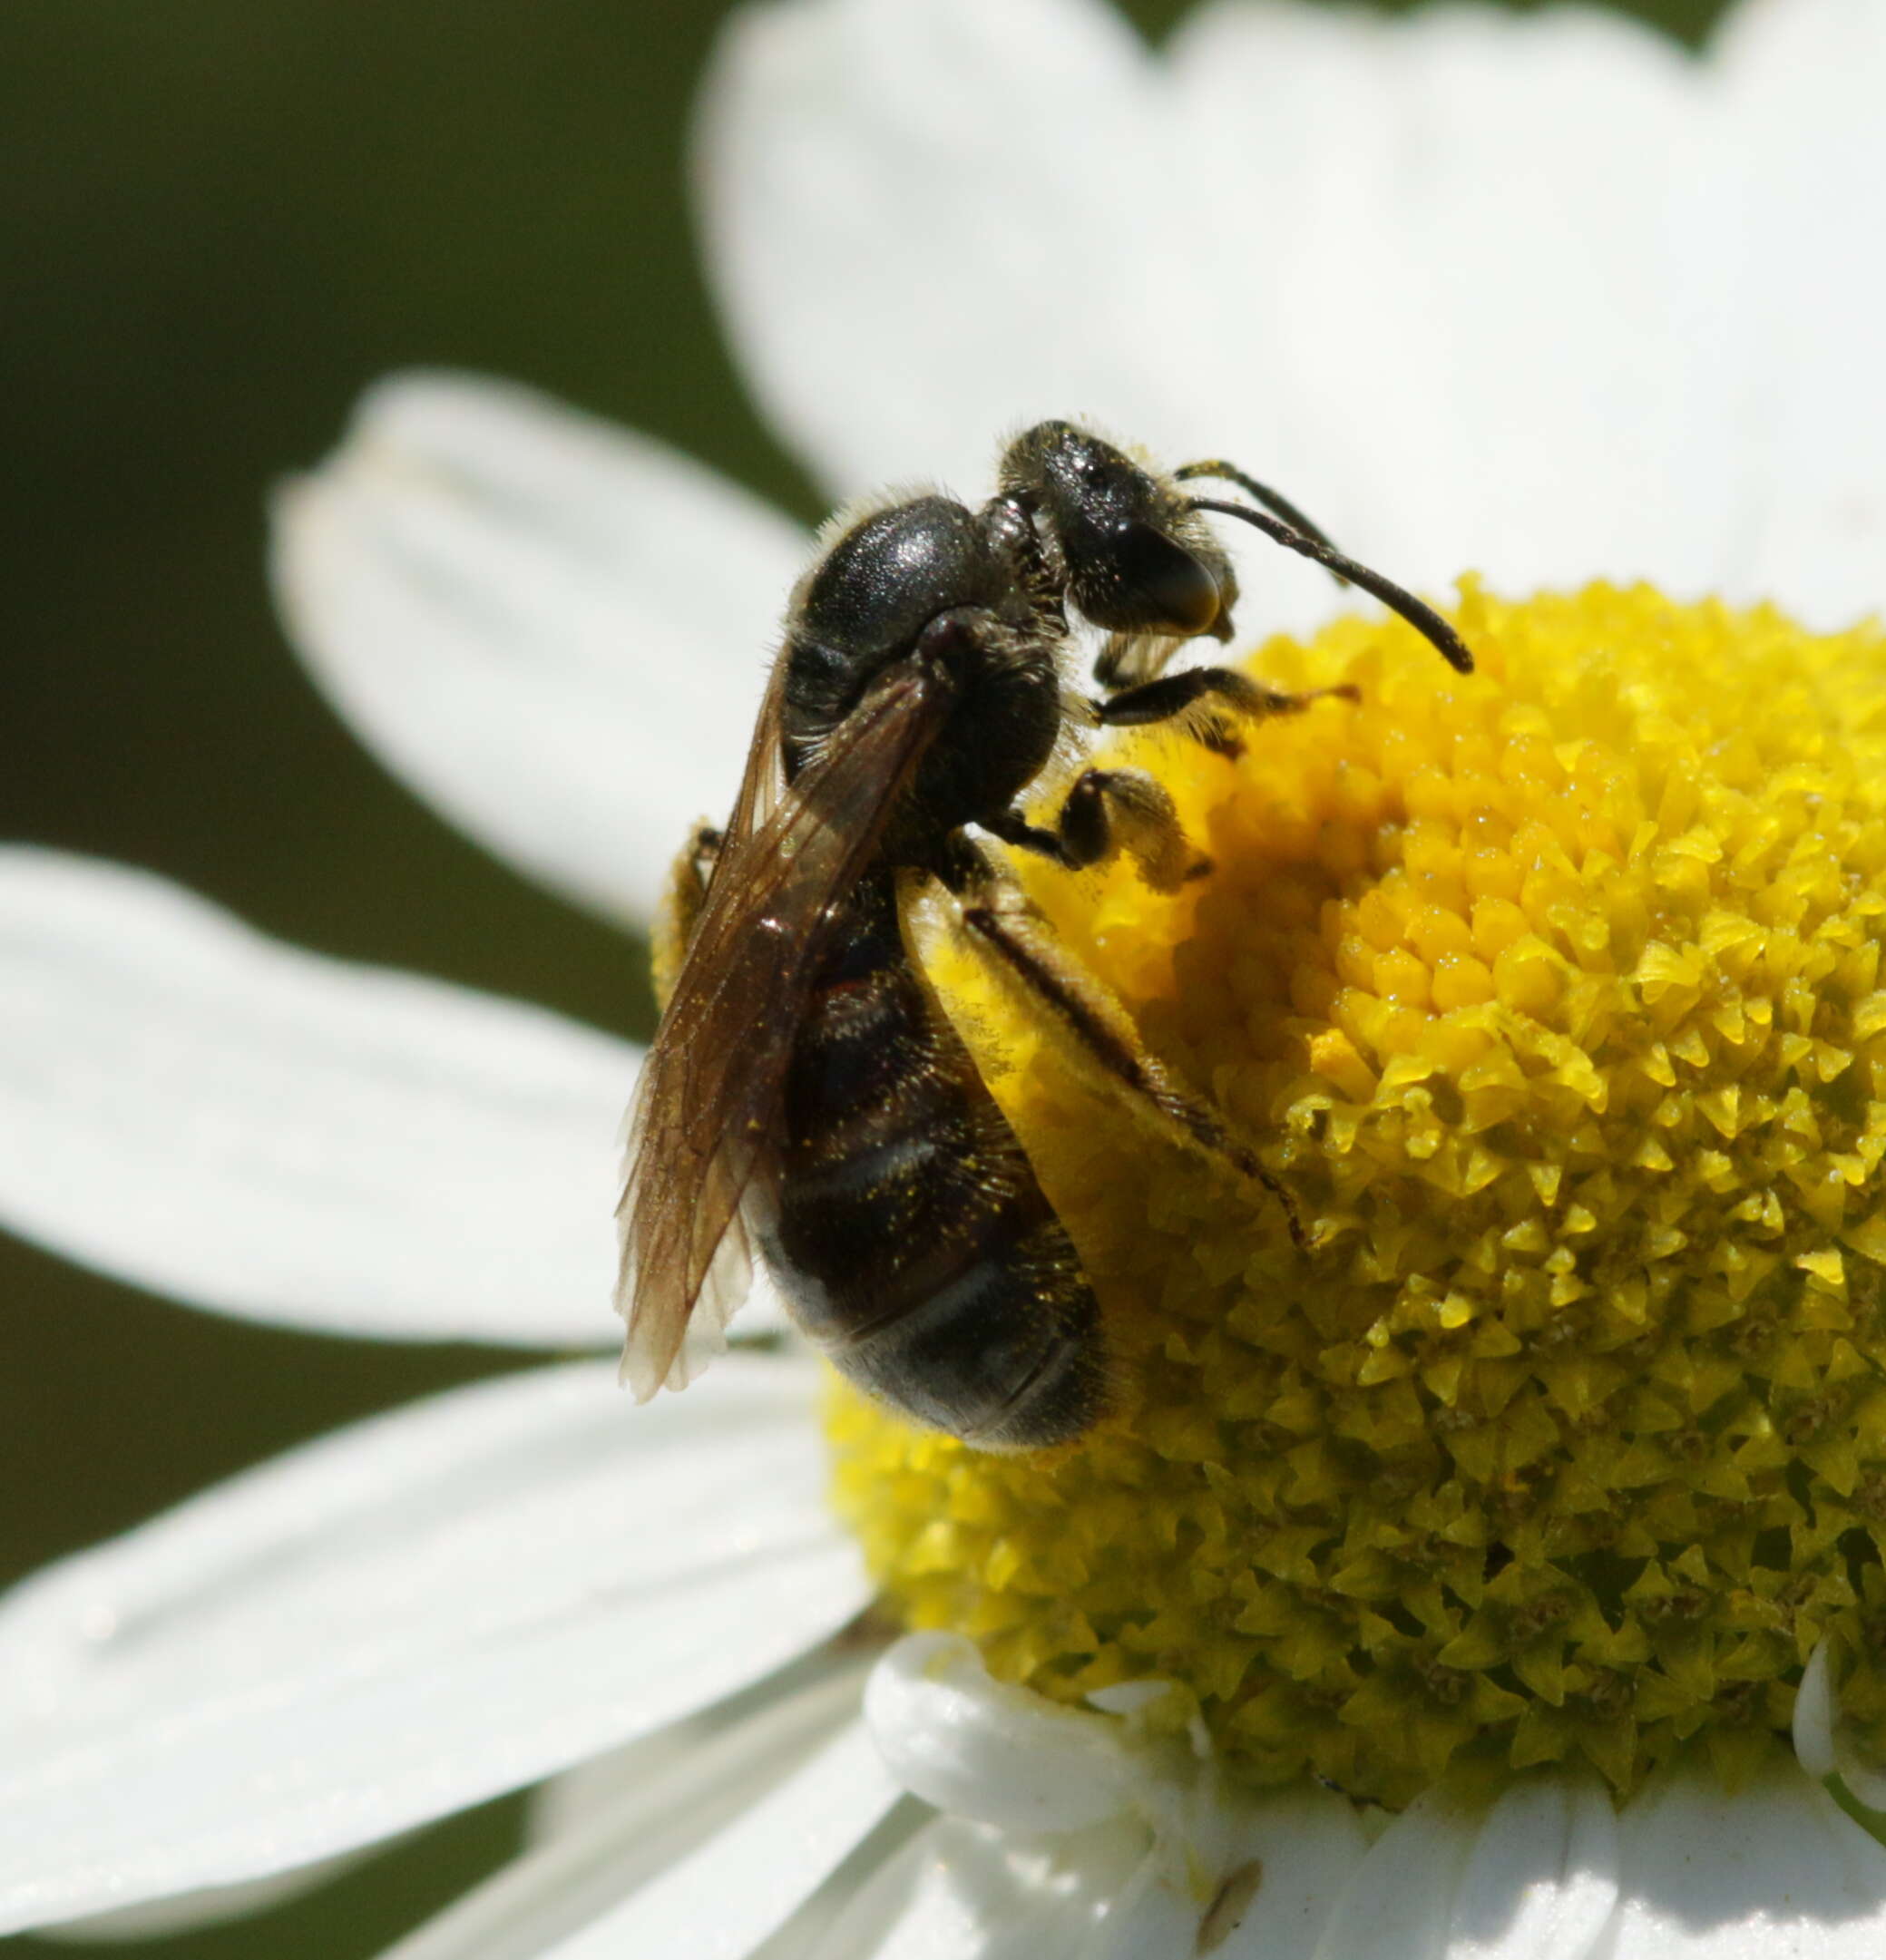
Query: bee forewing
{"x": 722, "y": 1294}
{"x": 703, "y": 1132}
{"x": 647, "y": 1365}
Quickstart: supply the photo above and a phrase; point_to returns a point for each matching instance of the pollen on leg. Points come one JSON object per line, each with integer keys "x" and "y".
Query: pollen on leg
{"x": 1552, "y": 994}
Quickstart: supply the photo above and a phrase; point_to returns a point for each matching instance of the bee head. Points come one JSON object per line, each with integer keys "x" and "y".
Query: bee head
{"x": 1134, "y": 557}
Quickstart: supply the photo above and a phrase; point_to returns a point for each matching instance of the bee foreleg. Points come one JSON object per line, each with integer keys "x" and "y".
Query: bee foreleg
{"x": 1103, "y": 1035}
{"x": 1127, "y": 660}
{"x": 1109, "y": 810}
{"x": 1204, "y": 700}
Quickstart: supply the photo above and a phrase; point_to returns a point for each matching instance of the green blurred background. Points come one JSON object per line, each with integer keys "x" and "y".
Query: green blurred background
{"x": 220, "y": 220}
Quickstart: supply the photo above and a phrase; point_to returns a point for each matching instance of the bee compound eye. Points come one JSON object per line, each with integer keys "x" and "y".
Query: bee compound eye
{"x": 1139, "y": 580}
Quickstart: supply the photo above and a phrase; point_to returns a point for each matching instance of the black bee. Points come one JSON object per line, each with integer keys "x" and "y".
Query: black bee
{"x": 804, "y": 1093}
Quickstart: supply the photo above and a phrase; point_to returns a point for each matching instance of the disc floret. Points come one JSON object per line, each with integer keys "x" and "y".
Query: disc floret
{"x": 1552, "y": 994}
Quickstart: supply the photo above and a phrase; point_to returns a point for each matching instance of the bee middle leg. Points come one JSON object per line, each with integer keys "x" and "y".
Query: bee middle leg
{"x": 1109, "y": 810}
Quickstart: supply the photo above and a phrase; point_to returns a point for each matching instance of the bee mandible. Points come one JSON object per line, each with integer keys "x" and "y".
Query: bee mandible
{"x": 804, "y": 1096}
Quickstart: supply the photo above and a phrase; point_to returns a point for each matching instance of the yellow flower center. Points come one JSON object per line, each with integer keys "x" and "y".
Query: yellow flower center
{"x": 1553, "y": 997}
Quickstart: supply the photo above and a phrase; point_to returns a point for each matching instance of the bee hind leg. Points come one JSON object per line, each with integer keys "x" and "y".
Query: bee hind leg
{"x": 679, "y": 911}
{"x": 1097, "y": 1034}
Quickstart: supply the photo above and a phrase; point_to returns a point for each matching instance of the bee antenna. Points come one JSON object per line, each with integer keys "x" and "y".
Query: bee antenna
{"x": 1422, "y": 618}
{"x": 1261, "y": 495}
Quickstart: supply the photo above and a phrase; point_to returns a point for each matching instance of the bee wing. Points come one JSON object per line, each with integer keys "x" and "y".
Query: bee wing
{"x": 703, "y": 1125}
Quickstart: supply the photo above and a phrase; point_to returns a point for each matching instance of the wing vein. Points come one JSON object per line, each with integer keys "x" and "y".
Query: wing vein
{"x": 704, "y": 1126}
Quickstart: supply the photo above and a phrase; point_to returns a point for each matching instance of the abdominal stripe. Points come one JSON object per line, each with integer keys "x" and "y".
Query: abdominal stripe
{"x": 912, "y": 1237}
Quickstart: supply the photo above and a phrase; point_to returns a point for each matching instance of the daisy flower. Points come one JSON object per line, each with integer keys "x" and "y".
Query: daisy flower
{"x": 1501, "y": 1576}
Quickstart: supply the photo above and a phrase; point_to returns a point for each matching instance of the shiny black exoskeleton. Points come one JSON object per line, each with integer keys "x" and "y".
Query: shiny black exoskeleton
{"x": 905, "y": 1225}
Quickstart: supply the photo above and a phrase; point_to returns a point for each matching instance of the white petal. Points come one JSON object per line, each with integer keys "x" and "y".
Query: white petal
{"x": 1106, "y": 1842}
{"x": 216, "y": 1116}
{"x": 1398, "y": 1905}
{"x": 1479, "y": 285}
{"x": 1144, "y": 1919}
{"x": 930, "y": 220}
{"x": 1308, "y": 1845}
{"x": 1541, "y": 1882}
{"x": 621, "y": 1822}
{"x": 1825, "y": 1746}
{"x": 792, "y": 1709}
{"x": 1535, "y": 1877}
{"x": 959, "y": 1889}
{"x": 555, "y": 630}
{"x": 1815, "y": 1715}
{"x": 1775, "y": 1871}
{"x": 1804, "y": 80}
{"x": 723, "y": 1899}
{"x": 402, "y": 1619}
{"x": 979, "y": 1748}
{"x": 186, "y": 1912}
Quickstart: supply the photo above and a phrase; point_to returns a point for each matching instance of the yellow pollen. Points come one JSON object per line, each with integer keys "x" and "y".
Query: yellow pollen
{"x": 1553, "y": 997}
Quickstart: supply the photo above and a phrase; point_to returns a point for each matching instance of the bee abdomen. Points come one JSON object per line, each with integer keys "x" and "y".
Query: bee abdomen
{"x": 1004, "y": 1353}
{"x": 911, "y": 1238}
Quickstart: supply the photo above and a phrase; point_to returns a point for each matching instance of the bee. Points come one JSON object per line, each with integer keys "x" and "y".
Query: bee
{"x": 805, "y": 1097}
